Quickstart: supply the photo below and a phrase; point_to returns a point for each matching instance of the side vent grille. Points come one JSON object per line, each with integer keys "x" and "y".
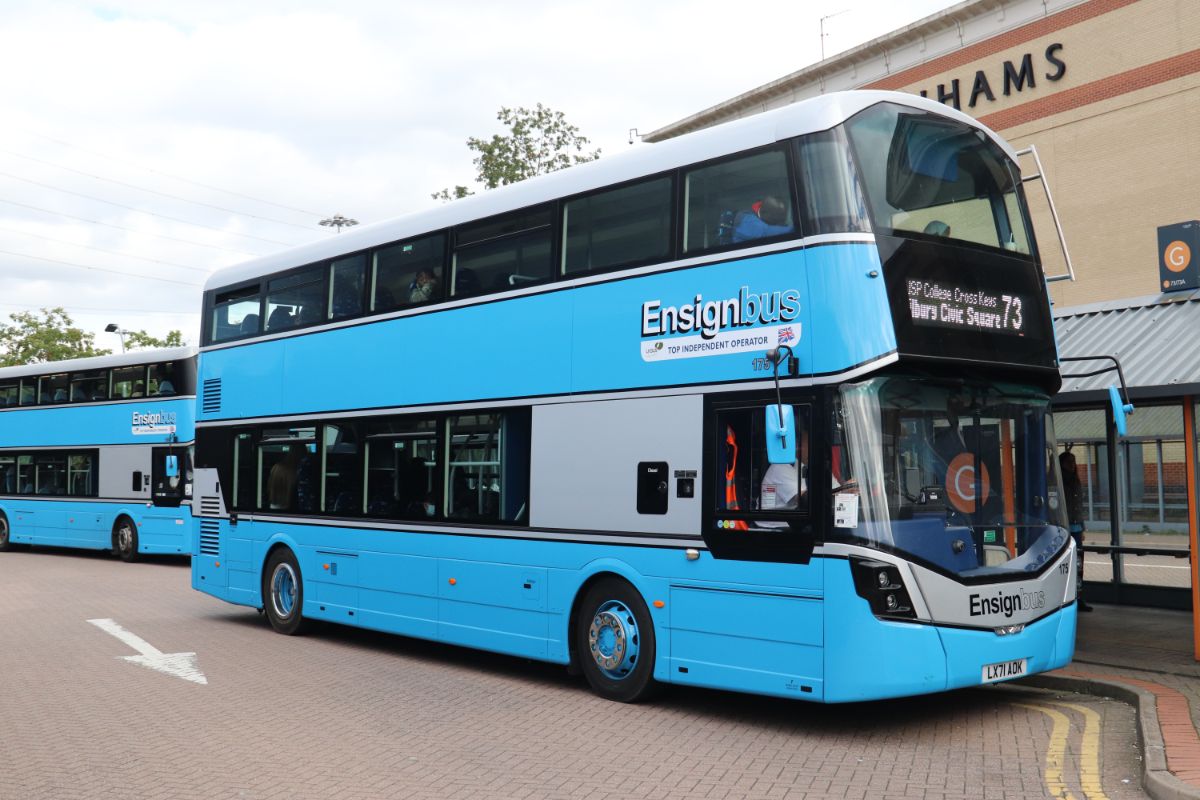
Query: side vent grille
{"x": 210, "y": 506}
{"x": 210, "y": 537}
{"x": 211, "y": 396}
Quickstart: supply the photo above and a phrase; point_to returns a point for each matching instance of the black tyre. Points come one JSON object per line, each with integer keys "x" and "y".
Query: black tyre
{"x": 125, "y": 539}
{"x": 283, "y": 593}
{"x": 614, "y": 642}
{"x": 5, "y": 543}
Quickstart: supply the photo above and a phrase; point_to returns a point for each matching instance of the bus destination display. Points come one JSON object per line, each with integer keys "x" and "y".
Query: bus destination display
{"x": 945, "y": 305}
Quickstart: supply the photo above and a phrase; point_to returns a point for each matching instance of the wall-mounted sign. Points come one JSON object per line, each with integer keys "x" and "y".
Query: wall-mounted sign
{"x": 1179, "y": 256}
{"x": 1006, "y": 78}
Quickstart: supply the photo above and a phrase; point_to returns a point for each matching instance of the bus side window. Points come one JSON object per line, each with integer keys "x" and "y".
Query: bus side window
{"x": 831, "y": 192}
{"x": 746, "y": 482}
{"x": 738, "y": 201}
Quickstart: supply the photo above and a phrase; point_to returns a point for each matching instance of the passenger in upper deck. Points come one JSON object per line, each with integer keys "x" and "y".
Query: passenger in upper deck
{"x": 937, "y": 228}
{"x": 767, "y": 217}
{"x": 423, "y": 286}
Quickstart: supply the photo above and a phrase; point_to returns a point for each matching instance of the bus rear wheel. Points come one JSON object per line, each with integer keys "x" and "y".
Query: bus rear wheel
{"x": 5, "y": 542}
{"x": 614, "y": 642}
{"x": 283, "y": 593}
{"x": 125, "y": 539}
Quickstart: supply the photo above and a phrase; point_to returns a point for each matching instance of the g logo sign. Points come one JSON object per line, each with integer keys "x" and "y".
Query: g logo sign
{"x": 1177, "y": 256}
{"x": 960, "y": 483}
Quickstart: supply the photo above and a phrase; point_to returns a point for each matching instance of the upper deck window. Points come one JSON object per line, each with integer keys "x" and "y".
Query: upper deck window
{"x": 503, "y": 253}
{"x": 10, "y": 394}
{"x": 346, "y": 279}
{"x": 936, "y": 177}
{"x": 87, "y": 387}
{"x": 409, "y": 273}
{"x": 736, "y": 201}
{"x": 236, "y": 313}
{"x": 829, "y": 185}
{"x": 52, "y": 389}
{"x": 168, "y": 380}
{"x": 128, "y": 382}
{"x": 295, "y": 300}
{"x": 629, "y": 225}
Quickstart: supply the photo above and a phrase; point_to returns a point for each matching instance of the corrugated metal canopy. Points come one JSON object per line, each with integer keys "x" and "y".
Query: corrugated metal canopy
{"x": 1153, "y": 337}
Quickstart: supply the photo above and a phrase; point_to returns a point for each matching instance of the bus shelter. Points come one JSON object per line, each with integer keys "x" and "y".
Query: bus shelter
{"x": 1139, "y": 490}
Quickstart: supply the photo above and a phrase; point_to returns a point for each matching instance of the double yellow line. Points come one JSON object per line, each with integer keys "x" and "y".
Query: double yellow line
{"x": 1089, "y": 753}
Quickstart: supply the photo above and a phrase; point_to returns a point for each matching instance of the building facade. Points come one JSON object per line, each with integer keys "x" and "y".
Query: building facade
{"x": 1108, "y": 91}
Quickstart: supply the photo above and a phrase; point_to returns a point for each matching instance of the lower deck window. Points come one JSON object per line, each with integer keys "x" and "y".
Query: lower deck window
{"x": 751, "y": 492}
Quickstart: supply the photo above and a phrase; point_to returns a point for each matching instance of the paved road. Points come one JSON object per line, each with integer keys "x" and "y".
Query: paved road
{"x": 351, "y": 714}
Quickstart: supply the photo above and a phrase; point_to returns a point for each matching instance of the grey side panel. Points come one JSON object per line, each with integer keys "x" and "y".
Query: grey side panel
{"x": 208, "y": 499}
{"x": 585, "y": 459}
{"x": 117, "y": 465}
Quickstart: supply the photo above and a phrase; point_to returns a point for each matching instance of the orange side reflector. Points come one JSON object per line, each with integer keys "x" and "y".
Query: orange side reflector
{"x": 326, "y": 566}
{"x": 453, "y": 581}
{"x": 216, "y": 563}
{"x": 659, "y": 604}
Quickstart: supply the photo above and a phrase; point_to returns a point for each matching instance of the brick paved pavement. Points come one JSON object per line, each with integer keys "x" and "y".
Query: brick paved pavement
{"x": 351, "y": 714}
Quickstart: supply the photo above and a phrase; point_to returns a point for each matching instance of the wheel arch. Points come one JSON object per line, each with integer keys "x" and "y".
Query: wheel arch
{"x": 122, "y": 511}
{"x": 275, "y": 543}
{"x": 602, "y": 569}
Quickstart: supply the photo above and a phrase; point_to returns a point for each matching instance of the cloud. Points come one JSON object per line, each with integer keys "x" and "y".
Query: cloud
{"x": 299, "y": 110}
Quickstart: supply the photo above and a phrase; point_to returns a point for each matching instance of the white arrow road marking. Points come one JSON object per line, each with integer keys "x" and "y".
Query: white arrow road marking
{"x": 181, "y": 665}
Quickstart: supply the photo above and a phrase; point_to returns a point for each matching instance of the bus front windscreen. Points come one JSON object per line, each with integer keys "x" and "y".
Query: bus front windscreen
{"x": 931, "y": 176}
{"x": 960, "y": 476}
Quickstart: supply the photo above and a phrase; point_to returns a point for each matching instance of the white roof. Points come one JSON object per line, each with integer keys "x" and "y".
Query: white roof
{"x": 99, "y": 362}
{"x": 809, "y": 116}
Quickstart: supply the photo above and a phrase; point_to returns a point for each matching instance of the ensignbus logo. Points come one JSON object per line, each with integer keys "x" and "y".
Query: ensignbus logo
{"x": 1006, "y": 603}
{"x": 710, "y": 317}
{"x": 751, "y": 321}
{"x": 154, "y": 422}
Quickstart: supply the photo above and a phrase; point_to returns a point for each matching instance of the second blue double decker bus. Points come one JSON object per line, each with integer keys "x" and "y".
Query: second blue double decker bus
{"x": 549, "y": 420}
{"x": 95, "y": 453}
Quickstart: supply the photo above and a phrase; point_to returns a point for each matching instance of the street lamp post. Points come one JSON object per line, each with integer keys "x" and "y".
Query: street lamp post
{"x": 339, "y": 222}
{"x": 112, "y": 327}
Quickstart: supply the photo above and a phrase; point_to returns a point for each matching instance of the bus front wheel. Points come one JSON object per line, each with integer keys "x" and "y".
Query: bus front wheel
{"x": 125, "y": 539}
{"x": 5, "y": 543}
{"x": 283, "y": 593}
{"x": 614, "y": 642}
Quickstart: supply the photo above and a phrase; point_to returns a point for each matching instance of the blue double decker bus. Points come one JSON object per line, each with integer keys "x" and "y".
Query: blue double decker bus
{"x": 95, "y": 453}
{"x": 761, "y": 408}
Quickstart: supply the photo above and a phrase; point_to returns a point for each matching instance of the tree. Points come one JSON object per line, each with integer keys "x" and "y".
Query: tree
{"x": 538, "y": 141}
{"x": 31, "y": 339}
{"x": 137, "y": 340}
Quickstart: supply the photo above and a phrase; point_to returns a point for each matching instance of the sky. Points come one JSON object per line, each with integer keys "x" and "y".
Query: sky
{"x": 145, "y": 144}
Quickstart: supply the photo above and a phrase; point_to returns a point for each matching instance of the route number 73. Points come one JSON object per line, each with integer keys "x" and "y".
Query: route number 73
{"x": 1012, "y": 310}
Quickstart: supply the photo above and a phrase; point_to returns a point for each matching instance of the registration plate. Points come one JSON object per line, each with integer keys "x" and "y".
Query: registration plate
{"x": 1005, "y": 670}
